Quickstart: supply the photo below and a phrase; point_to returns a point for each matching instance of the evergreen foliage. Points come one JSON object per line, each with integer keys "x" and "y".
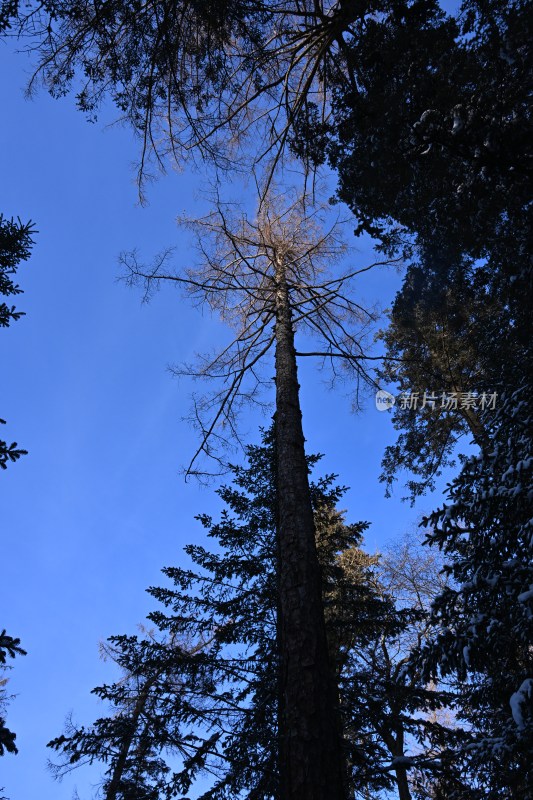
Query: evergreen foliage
{"x": 9, "y": 10}
{"x": 446, "y": 325}
{"x": 484, "y": 618}
{"x": 433, "y": 137}
{"x": 15, "y": 246}
{"x": 427, "y": 121}
{"x": 201, "y": 696}
{"x": 9, "y": 646}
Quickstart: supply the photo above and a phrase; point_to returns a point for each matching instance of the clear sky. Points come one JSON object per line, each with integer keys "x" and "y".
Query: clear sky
{"x": 98, "y": 506}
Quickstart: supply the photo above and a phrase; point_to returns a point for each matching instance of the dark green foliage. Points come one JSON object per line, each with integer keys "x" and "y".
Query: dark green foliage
{"x": 9, "y": 452}
{"x": 202, "y": 694}
{"x": 8, "y": 12}
{"x": 15, "y": 246}
{"x": 8, "y": 647}
{"x": 445, "y": 326}
{"x": 433, "y": 136}
{"x": 224, "y": 716}
{"x": 154, "y": 700}
{"x": 484, "y": 619}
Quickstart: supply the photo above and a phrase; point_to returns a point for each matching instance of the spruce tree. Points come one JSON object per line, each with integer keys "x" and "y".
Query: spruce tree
{"x": 201, "y": 694}
{"x": 227, "y": 676}
{"x": 484, "y": 618}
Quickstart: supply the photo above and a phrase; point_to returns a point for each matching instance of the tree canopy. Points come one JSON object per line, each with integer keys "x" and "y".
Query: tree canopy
{"x": 483, "y": 619}
{"x": 425, "y": 118}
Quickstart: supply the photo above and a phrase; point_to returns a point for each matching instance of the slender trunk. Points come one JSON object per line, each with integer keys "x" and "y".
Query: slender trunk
{"x": 120, "y": 764}
{"x": 403, "y": 784}
{"x": 396, "y": 747}
{"x": 311, "y": 763}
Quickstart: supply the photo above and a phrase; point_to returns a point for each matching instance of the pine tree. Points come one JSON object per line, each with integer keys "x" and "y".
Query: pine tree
{"x": 228, "y": 682}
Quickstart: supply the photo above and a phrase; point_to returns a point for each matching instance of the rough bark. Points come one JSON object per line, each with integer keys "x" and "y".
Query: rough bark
{"x": 311, "y": 763}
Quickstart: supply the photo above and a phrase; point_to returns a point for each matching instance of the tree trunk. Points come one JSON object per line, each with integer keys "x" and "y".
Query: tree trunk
{"x": 403, "y": 784}
{"x": 311, "y": 763}
{"x": 120, "y": 764}
{"x": 396, "y": 747}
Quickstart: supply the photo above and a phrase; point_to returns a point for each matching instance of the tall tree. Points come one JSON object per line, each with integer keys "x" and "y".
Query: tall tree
{"x": 216, "y": 702}
{"x": 429, "y": 126}
{"x": 446, "y": 324}
{"x": 267, "y": 276}
{"x": 484, "y": 618}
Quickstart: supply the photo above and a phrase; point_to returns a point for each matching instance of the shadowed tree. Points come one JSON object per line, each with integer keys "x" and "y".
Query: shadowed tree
{"x": 386, "y": 697}
{"x": 8, "y": 647}
{"x": 194, "y": 77}
{"x": 216, "y": 706}
{"x": 15, "y": 246}
{"x": 181, "y": 710}
{"x": 483, "y": 621}
{"x": 445, "y": 326}
{"x": 433, "y": 137}
{"x": 425, "y": 117}
{"x": 267, "y": 278}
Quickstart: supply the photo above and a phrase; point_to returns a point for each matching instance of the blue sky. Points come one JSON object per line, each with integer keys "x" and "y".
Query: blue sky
{"x": 98, "y": 506}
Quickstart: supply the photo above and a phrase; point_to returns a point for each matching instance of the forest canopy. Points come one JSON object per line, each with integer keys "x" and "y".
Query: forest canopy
{"x": 288, "y": 663}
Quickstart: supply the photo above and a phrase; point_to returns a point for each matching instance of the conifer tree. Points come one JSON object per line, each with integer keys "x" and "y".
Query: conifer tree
{"x": 446, "y": 324}
{"x": 15, "y": 246}
{"x": 9, "y": 646}
{"x": 484, "y": 618}
{"x": 426, "y": 119}
{"x": 201, "y": 695}
{"x": 227, "y": 720}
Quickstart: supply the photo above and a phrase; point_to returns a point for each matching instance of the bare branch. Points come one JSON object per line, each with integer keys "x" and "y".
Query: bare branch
{"x": 235, "y": 274}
